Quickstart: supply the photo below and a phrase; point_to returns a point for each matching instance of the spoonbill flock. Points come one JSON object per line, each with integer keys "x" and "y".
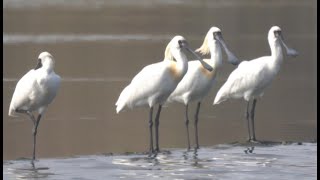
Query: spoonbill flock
{"x": 172, "y": 80}
{"x": 154, "y": 83}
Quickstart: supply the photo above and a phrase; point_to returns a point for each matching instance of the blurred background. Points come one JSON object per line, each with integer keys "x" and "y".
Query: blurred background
{"x": 100, "y": 45}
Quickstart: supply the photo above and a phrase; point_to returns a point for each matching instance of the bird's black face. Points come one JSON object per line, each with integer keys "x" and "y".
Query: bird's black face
{"x": 182, "y": 43}
{"x": 39, "y": 64}
{"x": 217, "y": 35}
{"x": 277, "y": 34}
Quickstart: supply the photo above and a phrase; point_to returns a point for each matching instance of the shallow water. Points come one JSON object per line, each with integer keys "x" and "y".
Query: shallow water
{"x": 100, "y": 45}
{"x": 224, "y": 161}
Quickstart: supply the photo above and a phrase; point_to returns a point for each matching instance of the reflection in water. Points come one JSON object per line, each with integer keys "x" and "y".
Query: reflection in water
{"x": 29, "y": 170}
{"x": 249, "y": 150}
{"x": 194, "y": 161}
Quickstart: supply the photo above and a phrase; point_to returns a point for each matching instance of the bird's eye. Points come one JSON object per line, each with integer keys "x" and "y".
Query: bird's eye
{"x": 215, "y": 34}
{"x": 180, "y": 43}
{"x": 276, "y": 33}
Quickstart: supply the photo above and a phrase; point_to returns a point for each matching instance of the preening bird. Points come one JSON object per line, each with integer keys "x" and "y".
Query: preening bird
{"x": 35, "y": 91}
{"x": 197, "y": 82}
{"x": 251, "y": 78}
{"x": 155, "y": 82}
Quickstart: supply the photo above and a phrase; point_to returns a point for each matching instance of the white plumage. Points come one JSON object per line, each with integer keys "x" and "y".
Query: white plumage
{"x": 250, "y": 78}
{"x": 152, "y": 85}
{"x": 36, "y": 90}
{"x": 197, "y": 82}
{"x": 155, "y": 82}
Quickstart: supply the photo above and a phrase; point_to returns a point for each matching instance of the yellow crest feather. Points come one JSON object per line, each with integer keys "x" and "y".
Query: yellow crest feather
{"x": 167, "y": 53}
{"x": 204, "y": 49}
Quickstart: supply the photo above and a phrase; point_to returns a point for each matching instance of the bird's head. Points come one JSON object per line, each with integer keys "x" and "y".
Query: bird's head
{"x": 46, "y": 60}
{"x": 275, "y": 36}
{"x": 179, "y": 43}
{"x": 213, "y": 38}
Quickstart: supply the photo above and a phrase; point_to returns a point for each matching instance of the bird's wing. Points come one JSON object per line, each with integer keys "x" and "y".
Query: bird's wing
{"x": 143, "y": 85}
{"x": 245, "y": 77}
{"x": 48, "y": 88}
{"x": 24, "y": 91}
{"x": 148, "y": 72}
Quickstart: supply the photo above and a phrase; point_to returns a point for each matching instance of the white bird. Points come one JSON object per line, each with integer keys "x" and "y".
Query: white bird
{"x": 197, "y": 82}
{"x": 35, "y": 91}
{"x": 250, "y": 78}
{"x": 155, "y": 82}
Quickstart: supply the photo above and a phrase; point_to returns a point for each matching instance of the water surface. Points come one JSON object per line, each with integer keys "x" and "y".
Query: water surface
{"x": 223, "y": 161}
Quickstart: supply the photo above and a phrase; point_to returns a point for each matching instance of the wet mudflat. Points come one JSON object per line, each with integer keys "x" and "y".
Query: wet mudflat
{"x": 225, "y": 161}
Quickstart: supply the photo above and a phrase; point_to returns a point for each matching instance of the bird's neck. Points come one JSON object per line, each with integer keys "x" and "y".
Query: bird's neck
{"x": 216, "y": 55}
{"x": 47, "y": 70}
{"x": 182, "y": 61}
{"x": 276, "y": 54}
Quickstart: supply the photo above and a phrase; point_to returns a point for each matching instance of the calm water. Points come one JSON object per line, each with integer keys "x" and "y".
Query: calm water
{"x": 99, "y": 46}
{"x": 219, "y": 162}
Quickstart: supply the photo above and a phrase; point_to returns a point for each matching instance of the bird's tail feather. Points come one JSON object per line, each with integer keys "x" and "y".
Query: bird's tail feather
{"x": 220, "y": 97}
{"x": 12, "y": 112}
{"x": 121, "y": 103}
{"x": 119, "y": 108}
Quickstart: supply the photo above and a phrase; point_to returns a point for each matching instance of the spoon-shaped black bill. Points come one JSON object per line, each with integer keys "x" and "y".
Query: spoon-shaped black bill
{"x": 290, "y": 51}
{"x": 204, "y": 64}
{"x": 231, "y": 57}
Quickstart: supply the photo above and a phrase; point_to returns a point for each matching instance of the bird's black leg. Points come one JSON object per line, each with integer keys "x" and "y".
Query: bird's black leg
{"x": 34, "y": 136}
{"x": 157, "y": 128}
{"x": 196, "y": 125}
{"x": 34, "y": 131}
{"x": 248, "y": 120}
{"x": 253, "y": 138}
{"x": 150, "y": 128}
{"x": 187, "y": 127}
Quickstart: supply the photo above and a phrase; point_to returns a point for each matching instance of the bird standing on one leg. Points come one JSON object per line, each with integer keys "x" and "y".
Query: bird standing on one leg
{"x": 197, "y": 82}
{"x": 154, "y": 83}
{"x": 35, "y": 91}
{"x": 251, "y": 78}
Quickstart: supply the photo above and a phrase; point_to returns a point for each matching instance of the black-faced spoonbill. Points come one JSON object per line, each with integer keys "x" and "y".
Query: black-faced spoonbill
{"x": 250, "y": 78}
{"x": 197, "y": 82}
{"x": 155, "y": 82}
{"x": 35, "y": 91}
